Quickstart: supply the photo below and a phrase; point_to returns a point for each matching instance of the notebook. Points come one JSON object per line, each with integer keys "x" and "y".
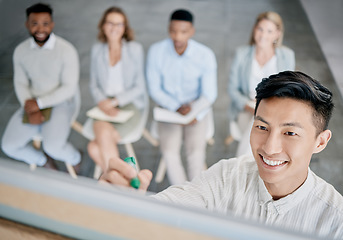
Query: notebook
{"x": 122, "y": 116}
{"x": 46, "y": 113}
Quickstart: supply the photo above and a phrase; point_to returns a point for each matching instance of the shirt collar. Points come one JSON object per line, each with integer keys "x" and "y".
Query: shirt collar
{"x": 50, "y": 44}
{"x": 187, "y": 52}
{"x": 283, "y": 205}
{"x": 106, "y": 51}
{"x": 263, "y": 194}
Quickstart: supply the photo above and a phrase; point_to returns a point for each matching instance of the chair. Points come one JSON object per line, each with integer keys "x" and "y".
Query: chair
{"x": 127, "y": 140}
{"x": 235, "y": 133}
{"x": 237, "y": 127}
{"x": 162, "y": 167}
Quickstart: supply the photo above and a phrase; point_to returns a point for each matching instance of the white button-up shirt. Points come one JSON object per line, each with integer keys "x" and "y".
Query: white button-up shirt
{"x": 234, "y": 187}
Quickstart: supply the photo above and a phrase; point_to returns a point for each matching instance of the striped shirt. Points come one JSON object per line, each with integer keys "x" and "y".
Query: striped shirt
{"x": 234, "y": 187}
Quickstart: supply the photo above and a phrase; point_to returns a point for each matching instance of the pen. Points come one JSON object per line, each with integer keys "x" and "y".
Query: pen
{"x": 135, "y": 183}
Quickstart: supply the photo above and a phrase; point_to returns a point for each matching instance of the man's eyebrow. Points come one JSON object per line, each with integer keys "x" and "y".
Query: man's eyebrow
{"x": 290, "y": 124}
{"x": 261, "y": 119}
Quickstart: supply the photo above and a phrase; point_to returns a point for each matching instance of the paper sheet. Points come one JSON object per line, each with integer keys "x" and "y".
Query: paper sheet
{"x": 121, "y": 117}
{"x": 164, "y": 115}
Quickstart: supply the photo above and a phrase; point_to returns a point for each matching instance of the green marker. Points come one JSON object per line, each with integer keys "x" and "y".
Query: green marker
{"x": 135, "y": 183}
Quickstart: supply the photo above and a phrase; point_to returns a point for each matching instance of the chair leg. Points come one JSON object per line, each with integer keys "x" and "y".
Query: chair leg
{"x": 71, "y": 170}
{"x": 37, "y": 142}
{"x": 131, "y": 153}
{"x": 97, "y": 172}
{"x": 161, "y": 171}
{"x": 210, "y": 141}
{"x": 33, "y": 167}
{"x": 149, "y": 138}
{"x": 229, "y": 140}
{"x": 77, "y": 127}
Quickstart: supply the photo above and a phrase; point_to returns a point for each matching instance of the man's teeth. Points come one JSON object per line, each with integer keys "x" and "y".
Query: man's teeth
{"x": 272, "y": 163}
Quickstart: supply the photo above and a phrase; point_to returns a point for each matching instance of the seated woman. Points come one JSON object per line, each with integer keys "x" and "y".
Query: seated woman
{"x": 116, "y": 81}
{"x": 265, "y": 55}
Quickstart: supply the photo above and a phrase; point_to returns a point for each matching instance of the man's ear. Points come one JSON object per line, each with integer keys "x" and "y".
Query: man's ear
{"x": 193, "y": 30}
{"x": 27, "y": 24}
{"x": 322, "y": 140}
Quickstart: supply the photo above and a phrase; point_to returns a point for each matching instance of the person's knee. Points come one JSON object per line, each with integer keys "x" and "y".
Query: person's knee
{"x": 92, "y": 148}
{"x": 53, "y": 148}
{"x": 167, "y": 146}
{"x": 170, "y": 151}
{"x": 195, "y": 139}
{"x": 104, "y": 134}
{"x": 170, "y": 154}
{"x": 193, "y": 147}
{"x": 7, "y": 147}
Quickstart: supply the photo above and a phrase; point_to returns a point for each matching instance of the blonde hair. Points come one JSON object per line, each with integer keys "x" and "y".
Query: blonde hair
{"x": 273, "y": 17}
{"x": 128, "y": 33}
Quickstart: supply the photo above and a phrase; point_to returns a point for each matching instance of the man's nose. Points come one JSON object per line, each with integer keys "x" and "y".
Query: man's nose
{"x": 273, "y": 144}
{"x": 40, "y": 27}
{"x": 178, "y": 36}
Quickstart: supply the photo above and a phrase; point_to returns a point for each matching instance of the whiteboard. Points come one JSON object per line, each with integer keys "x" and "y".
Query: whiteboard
{"x": 84, "y": 209}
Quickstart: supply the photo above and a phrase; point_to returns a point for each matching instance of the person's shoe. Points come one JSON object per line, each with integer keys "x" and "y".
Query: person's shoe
{"x": 50, "y": 164}
{"x": 77, "y": 167}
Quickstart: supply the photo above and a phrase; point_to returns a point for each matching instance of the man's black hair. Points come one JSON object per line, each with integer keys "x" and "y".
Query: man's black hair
{"x": 182, "y": 14}
{"x": 39, "y": 8}
{"x": 299, "y": 86}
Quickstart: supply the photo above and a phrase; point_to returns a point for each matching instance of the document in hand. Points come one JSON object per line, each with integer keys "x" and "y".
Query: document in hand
{"x": 46, "y": 113}
{"x": 122, "y": 116}
{"x": 164, "y": 115}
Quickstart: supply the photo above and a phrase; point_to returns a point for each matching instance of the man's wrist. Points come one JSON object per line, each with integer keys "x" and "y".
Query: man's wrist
{"x": 39, "y": 103}
{"x": 114, "y": 102}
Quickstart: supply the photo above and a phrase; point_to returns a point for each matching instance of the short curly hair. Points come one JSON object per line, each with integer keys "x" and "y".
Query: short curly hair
{"x": 39, "y": 8}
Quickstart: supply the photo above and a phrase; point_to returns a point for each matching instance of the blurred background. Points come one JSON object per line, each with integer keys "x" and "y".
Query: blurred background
{"x": 313, "y": 29}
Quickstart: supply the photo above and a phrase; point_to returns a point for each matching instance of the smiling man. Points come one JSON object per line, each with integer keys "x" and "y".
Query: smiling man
{"x": 46, "y": 76}
{"x": 284, "y": 141}
{"x": 276, "y": 186}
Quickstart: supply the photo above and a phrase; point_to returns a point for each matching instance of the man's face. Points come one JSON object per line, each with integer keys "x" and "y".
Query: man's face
{"x": 283, "y": 139}
{"x": 180, "y": 32}
{"x": 40, "y": 26}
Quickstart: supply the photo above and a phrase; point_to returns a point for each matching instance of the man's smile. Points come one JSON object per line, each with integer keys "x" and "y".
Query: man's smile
{"x": 273, "y": 163}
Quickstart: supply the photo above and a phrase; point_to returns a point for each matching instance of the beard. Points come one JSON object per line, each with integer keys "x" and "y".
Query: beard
{"x": 40, "y": 41}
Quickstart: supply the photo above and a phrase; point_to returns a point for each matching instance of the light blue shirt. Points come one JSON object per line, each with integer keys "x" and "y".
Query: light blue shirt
{"x": 175, "y": 79}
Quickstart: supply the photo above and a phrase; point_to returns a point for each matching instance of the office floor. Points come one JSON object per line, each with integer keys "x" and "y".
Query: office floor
{"x": 223, "y": 25}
